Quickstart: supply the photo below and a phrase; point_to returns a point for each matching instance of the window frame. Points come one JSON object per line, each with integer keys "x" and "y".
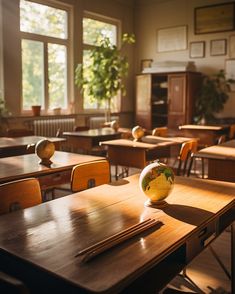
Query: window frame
{"x": 67, "y": 42}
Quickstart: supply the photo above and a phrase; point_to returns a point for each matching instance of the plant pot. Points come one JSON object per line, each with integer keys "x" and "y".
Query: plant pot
{"x": 36, "y": 109}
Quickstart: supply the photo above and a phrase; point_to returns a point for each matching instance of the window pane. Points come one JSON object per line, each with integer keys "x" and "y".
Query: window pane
{"x": 32, "y": 73}
{"x": 57, "y": 76}
{"x": 94, "y": 31}
{"x": 43, "y": 20}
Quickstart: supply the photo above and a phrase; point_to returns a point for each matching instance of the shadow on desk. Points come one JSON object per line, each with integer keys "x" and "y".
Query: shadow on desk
{"x": 187, "y": 214}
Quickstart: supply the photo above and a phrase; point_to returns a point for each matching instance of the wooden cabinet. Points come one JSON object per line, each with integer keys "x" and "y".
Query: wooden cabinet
{"x": 166, "y": 99}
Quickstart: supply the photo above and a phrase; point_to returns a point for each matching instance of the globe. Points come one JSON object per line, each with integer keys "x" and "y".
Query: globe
{"x": 114, "y": 125}
{"x": 45, "y": 150}
{"x": 156, "y": 181}
{"x": 137, "y": 132}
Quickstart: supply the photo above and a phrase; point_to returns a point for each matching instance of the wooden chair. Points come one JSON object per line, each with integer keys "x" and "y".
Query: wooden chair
{"x": 19, "y": 194}
{"x": 13, "y": 133}
{"x": 232, "y": 132}
{"x": 221, "y": 139}
{"x": 9, "y": 284}
{"x": 160, "y": 131}
{"x": 184, "y": 154}
{"x": 85, "y": 176}
{"x": 81, "y": 128}
{"x": 90, "y": 174}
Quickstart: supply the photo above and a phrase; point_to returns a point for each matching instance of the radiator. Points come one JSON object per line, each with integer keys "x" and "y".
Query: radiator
{"x": 96, "y": 122}
{"x": 49, "y": 127}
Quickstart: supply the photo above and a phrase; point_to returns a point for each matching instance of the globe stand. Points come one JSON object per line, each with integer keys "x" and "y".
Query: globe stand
{"x": 157, "y": 204}
{"x": 45, "y": 161}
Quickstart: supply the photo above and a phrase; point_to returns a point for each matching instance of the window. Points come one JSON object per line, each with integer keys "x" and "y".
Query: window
{"x": 45, "y": 48}
{"x": 96, "y": 28}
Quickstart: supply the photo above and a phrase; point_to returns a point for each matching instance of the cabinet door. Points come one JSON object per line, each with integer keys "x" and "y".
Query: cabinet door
{"x": 143, "y": 101}
{"x": 176, "y": 100}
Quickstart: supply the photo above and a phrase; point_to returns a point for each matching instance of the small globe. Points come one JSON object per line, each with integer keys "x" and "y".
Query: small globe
{"x": 156, "y": 181}
{"x": 137, "y": 132}
{"x": 45, "y": 150}
{"x": 114, "y": 125}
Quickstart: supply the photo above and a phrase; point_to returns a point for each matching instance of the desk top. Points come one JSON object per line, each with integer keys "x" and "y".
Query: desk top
{"x": 7, "y": 142}
{"x": 158, "y": 139}
{"x": 203, "y": 127}
{"x": 224, "y": 151}
{"x": 137, "y": 144}
{"x": 49, "y": 235}
{"x": 102, "y": 132}
{"x": 18, "y": 167}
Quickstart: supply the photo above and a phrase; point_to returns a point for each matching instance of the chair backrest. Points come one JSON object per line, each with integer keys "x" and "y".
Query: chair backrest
{"x": 19, "y": 194}
{"x": 185, "y": 151}
{"x": 160, "y": 131}
{"x": 13, "y": 133}
{"x": 81, "y": 128}
{"x": 221, "y": 139}
{"x": 90, "y": 174}
{"x": 232, "y": 132}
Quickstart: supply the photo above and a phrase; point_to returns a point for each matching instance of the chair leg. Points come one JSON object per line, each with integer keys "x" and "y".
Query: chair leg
{"x": 190, "y": 165}
{"x": 220, "y": 262}
{"x": 203, "y": 171}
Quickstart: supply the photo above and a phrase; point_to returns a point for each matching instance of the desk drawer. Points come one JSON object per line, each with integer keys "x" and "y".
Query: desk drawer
{"x": 49, "y": 181}
{"x": 198, "y": 242}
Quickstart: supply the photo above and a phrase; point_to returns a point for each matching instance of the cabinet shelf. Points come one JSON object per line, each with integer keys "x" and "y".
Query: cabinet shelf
{"x": 152, "y": 93}
{"x": 159, "y": 115}
{"x": 159, "y": 102}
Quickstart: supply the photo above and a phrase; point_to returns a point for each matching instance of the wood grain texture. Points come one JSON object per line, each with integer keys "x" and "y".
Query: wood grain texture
{"x": 50, "y": 235}
{"x": 86, "y": 140}
{"x": 18, "y": 167}
{"x": 6, "y": 142}
{"x": 18, "y": 145}
{"x": 208, "y": 134}
{"x": 221, "y": 161}
{"x": 90, "y": 174}
{"x": 19, "y": 194}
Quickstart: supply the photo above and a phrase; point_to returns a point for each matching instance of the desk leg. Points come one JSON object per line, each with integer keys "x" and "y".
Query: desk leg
{"x": 233, "y": 257}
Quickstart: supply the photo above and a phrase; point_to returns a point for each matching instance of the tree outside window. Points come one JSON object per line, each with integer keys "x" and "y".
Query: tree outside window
{"x": 95, "y": 29}
{"x": 44, "y": 55}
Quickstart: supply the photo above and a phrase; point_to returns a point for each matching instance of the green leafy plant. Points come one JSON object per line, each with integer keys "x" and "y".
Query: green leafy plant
{"x": 4, "y": 113}
{"x": 102, "y": 78}
{"x": 212, "y": 96}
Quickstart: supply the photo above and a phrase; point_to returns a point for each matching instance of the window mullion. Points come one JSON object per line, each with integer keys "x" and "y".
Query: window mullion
{"x": 46, "y": 77}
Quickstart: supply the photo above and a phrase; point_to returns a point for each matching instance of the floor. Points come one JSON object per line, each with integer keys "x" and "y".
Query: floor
{"x": 204, "y": 273}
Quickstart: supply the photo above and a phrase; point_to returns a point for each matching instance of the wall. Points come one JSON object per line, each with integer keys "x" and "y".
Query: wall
{"x": 1, "y": 60}
{"x": 151, "y": 15}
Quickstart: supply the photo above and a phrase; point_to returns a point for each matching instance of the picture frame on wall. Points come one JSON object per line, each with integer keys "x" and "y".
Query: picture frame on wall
{"x": 232, "y": 46}
{"x": 172, "y": 39}
{"x": 218, "y": 47}
{"x": 197, "y": 49}
{"x": 230, "y": 72}
{"x": 214, "y": 18}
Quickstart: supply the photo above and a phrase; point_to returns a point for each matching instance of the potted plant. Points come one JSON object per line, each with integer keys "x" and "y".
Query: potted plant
{"x": 211, "y": 97}
{"x": 101, "y": 79}
{"x": 3, "y": 116}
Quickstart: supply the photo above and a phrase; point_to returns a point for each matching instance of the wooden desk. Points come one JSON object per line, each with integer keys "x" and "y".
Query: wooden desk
{"x": 39, "y": 244}
{"x": 86, "y": 140}
{"x": 208, "y": 134}
{"x": 22, "y": 166}
{"x": 129, "y": 153}
{"x": 17, "y": 146}
{"x": 221, "y": 161}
